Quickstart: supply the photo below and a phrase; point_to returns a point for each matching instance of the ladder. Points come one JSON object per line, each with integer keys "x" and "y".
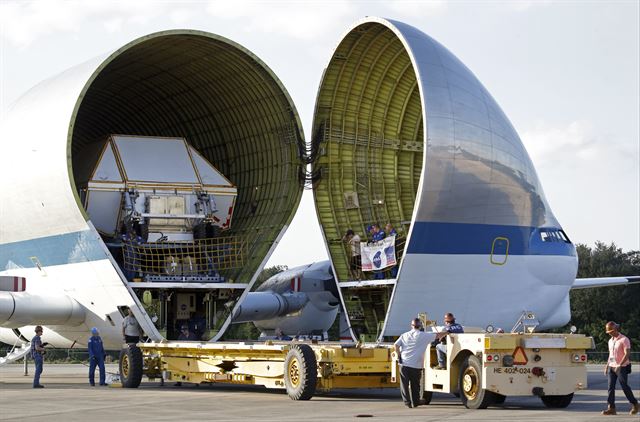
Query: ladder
{"x": 16, "y": 353}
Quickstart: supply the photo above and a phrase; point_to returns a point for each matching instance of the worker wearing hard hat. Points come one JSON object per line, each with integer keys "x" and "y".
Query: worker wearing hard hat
{"x": 96, "y": 357}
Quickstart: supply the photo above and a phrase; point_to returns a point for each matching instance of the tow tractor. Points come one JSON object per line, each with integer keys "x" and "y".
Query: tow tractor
{"x": 482, "y": 367}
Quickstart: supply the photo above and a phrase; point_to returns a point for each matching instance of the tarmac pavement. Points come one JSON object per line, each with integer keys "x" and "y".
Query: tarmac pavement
{"x": 69, "y": 397}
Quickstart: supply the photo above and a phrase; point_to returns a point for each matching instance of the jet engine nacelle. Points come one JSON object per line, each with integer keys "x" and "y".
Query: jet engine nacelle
{"x": 18, "y": 309}
{"x": 266, "y": 305}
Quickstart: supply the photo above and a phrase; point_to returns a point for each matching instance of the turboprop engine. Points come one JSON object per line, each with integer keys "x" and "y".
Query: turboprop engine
{"x": 300, "y": 301}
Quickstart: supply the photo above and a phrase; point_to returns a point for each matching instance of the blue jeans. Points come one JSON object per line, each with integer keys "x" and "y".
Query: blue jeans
{"x": 37, "y": 358}
{"x": 92, "y": 369}
{"x": 442, "y": 354}
{"x": 621, "y": 376}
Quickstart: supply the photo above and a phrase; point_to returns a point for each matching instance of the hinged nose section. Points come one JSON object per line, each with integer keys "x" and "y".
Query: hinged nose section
{"x": 407, "y": 144}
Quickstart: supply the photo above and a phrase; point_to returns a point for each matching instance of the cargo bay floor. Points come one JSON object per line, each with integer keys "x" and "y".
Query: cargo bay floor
{"x": 68, "y": 396}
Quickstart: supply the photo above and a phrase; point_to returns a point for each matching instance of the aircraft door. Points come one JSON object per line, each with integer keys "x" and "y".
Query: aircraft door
{"x": 499, "y": 250}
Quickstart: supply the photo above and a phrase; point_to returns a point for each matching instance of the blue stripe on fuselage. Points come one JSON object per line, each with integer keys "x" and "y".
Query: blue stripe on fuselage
{"x": 69, "y": 248}
{"x": 478, "y": 239}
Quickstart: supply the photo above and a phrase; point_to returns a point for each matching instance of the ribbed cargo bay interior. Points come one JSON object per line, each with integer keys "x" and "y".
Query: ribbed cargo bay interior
{"x": 368, "y": 144}
{"x": 225, "y": 102}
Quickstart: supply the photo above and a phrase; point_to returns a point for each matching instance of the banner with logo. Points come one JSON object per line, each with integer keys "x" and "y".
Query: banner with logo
{"x": 379, "y": 255}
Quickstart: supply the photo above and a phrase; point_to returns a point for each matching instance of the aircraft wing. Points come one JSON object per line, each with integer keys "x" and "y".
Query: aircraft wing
{"x": 586, "y": 283}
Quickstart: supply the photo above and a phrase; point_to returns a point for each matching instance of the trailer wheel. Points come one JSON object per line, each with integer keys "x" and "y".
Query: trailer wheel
{"x": 300, "y": 372}
{"x": 130, "y": 366}
{"x": 557, "y": 402}
{"x": 426, "y": 397}
{"x": 472, "y": 394}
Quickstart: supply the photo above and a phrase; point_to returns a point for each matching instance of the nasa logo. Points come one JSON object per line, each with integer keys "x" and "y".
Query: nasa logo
{"x": 389, "y": 252}
{"x": 377, "y": 261}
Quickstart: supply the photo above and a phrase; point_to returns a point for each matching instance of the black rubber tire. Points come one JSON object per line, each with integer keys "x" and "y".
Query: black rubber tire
{"x": 557, "y": 402}
{"x": 130, "y": 366}
{"x": 426, "y": 397}
{"x": 472, "y": 394}
{"x": 498, "y": 398}
{"x": 300, "y": 372}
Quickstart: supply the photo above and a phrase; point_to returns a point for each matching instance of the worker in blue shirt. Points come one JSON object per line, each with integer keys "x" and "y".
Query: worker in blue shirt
{"x": 450, "y": 327}
{"x": 389, "y": 230}
{"x": 377, "y": 234}
{"x": 37, "y": 352}
{"x": 96, "y": 357}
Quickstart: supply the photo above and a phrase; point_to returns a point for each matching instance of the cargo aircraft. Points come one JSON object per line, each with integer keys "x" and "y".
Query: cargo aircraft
{"x": 162, "y": 176}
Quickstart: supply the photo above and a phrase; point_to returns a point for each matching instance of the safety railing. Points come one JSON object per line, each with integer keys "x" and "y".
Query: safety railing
{"x": 201, "y": 257}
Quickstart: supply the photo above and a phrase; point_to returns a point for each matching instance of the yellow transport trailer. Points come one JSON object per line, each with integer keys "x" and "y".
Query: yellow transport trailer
{"x": 302, "y": 368}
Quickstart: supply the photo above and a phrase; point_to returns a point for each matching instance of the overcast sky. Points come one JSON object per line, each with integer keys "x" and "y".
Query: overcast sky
{"x": 565, "y": 73}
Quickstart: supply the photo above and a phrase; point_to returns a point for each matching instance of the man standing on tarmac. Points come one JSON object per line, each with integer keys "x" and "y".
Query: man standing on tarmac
{"x": 410, "y": 348}
{"x": 618, "y": 368}
{"x": 37, "y": 352}
{"x": 96, "y": 357}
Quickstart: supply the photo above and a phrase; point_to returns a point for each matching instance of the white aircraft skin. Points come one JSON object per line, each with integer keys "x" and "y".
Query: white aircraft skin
{"x": 47, "y": 238}
{"x": 96, "y": 286}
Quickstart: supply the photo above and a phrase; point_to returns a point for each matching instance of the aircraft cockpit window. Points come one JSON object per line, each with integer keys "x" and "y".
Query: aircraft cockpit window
{"x": 552, "y": 235}
{"x": 563, "y": 236}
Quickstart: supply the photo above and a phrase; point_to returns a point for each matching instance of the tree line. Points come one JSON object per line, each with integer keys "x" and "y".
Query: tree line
{"x": 592, "y": 308}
